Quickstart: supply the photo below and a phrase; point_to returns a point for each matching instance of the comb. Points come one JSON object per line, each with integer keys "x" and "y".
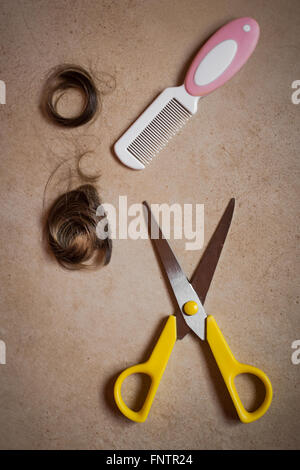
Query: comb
{"x": 217, "y": 61}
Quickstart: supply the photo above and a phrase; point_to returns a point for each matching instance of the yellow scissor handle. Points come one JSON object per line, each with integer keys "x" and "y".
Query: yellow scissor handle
{"x": 154, "y": 368}
{"x": 230, "y": 368}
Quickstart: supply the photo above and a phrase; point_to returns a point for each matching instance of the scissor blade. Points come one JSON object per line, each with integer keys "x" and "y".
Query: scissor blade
{"x": 179, "y": 283}
{"x": 204, "y": 272}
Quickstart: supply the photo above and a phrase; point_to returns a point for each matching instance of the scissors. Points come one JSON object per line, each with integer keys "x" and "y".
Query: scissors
{"x": 191, "y": 316}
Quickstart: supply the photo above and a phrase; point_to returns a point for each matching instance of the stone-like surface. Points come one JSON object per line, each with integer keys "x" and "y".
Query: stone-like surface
{"x": 68, "y": 334}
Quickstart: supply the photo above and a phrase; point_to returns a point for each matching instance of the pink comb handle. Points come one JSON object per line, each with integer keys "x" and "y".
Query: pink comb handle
{"x": 222, "y": 56}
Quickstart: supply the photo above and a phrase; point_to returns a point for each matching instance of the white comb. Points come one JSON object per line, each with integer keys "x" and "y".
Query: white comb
{"x": 217, "y": 61}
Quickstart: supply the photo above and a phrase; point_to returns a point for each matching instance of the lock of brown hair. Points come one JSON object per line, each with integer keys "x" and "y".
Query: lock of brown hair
{"x": 61, "y": 79}
{"x": 71, "y": 230}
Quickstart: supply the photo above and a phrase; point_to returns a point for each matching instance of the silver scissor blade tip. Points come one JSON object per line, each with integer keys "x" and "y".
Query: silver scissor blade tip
{"x": 205, "y": 270}
{"x": 232, "y": 202}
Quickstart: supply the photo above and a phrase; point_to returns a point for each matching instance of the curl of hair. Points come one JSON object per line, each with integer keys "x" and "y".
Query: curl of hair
{"x": 71, "y": 230}
{"x": 65, "y": 77}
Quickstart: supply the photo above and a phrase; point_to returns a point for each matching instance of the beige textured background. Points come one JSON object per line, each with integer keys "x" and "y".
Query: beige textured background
{"x": 68, "y": 334}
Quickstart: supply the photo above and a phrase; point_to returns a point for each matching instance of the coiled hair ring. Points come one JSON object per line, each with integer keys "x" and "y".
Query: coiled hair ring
{"x": 70, "y": 77}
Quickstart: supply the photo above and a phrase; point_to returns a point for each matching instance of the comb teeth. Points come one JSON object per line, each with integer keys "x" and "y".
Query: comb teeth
{"x": 159, "y": 131}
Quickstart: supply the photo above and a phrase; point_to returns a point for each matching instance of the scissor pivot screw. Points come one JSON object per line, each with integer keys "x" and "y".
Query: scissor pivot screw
{"x": 190, "y": 308}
